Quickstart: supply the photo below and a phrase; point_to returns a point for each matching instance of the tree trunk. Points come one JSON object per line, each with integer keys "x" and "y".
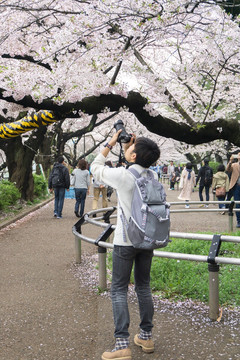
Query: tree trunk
{"x": 46, "y": 156}
{"x": 19, "y": 161}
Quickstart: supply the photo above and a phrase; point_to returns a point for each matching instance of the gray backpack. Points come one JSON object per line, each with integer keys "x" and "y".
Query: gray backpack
{"x": 149, "y": 224}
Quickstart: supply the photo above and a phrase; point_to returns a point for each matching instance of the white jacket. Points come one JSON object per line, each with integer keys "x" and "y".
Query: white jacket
{"x": 186, "y": 185}
{"x": 123, "y": 181}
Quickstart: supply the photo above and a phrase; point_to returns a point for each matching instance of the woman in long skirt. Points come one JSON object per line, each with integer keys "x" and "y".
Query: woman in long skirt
{"x": 187, "y": 183}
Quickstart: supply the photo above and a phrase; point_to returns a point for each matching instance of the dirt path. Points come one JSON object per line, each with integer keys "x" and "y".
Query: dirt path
{"x": 50, "y": 308}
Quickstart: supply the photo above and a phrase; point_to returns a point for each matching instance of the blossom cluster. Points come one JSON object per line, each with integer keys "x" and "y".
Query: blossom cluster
{"x": 68, "y": 50}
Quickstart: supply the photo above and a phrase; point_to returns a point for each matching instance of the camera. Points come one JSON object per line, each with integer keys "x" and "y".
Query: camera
{"x": 123, "y": 137}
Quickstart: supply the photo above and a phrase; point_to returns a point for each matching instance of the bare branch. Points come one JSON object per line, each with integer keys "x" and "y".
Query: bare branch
{"x": 27, "y": 58}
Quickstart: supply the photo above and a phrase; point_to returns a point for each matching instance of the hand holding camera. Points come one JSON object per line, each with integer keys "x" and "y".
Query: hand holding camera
{"x": 233, "y": 158}
{"x": 123, "y": 136}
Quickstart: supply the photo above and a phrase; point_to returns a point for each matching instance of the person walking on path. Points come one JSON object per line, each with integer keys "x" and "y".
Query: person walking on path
{"x": 221, "y": 185}
{"x": 172, "y": 180}
{"x": 80, "y": 179}
{"x": 171, "y": 175}
{"x": 59, "y": 180}
{"x": 99, "y": 188}
{"x": 234, "y": 169}
{"x": 205, "y": 175}
{"x": 187, "y": 183}
{"x": 177, "y": 175}
{"x": 141, "y": 153}
{"x": 230, "y": 192}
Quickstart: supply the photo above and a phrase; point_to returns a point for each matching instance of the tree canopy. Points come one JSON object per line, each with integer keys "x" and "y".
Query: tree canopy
{"x": 174, "y": 65}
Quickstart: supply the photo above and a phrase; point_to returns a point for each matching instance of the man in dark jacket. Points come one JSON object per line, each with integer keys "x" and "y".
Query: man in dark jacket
{"x": 205, "y": 175}
{"x": 59, "y": 180}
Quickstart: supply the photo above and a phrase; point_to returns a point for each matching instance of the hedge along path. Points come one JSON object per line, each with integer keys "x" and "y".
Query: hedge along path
{"x": 50, "y": 307}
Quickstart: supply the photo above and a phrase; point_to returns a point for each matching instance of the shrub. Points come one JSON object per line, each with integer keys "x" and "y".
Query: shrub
{"x": 40, "y": 186}
{"x": 9, "y": 194}
{"x": 214, "y": 165}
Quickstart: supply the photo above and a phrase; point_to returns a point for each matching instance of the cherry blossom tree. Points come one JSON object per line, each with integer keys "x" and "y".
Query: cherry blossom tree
{"x": 174, "y": 65}
{"x": 44, "y": 147}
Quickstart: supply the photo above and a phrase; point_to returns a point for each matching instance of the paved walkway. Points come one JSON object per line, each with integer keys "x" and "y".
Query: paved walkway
{"x": 49, "y": 313}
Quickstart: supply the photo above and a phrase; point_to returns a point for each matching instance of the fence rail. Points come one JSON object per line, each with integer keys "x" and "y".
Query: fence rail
{"x": 211, "y": 258}
{"x": 230, "y": 210}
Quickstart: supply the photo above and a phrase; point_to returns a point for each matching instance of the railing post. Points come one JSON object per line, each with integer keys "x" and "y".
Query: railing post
{"x": 213, "y": 269}
{"x": 78, "y": 249}
{"x": 213, "y": 291}
{"x": 102, "y": 257}
{"x": 230, "y": 216}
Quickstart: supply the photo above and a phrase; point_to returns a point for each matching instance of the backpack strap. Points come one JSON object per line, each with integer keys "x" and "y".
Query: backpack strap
{"x": 137, "y": 175}
{"x": 134, "y": 172}
{"x": 124, "y": 221}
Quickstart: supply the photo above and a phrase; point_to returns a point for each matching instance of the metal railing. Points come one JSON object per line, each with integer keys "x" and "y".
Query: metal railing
{"x": 229, "y": 211}
{"x": 211, "y": 258}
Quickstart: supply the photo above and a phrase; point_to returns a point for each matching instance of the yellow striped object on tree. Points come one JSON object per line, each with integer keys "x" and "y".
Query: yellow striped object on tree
{"x": 29, "y": 122}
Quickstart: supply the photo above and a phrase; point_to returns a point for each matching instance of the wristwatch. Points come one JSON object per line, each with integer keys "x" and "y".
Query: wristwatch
{"x": 108, "y": 146}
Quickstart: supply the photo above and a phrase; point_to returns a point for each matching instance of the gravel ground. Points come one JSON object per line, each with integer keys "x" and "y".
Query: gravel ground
{"x": 50, "y": 307}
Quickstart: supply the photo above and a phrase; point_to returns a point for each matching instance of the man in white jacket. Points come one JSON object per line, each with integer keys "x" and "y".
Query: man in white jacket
{"x": 142, "y": 153}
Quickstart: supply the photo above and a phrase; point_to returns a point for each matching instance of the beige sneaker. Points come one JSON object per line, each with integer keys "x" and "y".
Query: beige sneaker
{"x": 124, "y": 354}
{"x": 146, "y": 345}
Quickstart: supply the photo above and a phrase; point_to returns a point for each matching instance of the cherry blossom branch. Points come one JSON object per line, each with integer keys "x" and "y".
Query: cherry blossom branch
{"x": 43, "y": 9}
{"x": 95, "y": 146}
{"x": 127, "y": 45}
{"x": 175, "y": 103}
{"x": 159, "y": 124}
{"x": 27, "y": 58}
{"x": 215, "y": 86}
{"x": 192, "y": 91}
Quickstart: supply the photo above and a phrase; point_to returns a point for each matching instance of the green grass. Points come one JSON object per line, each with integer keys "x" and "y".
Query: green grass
{"x": 183, "y": 279}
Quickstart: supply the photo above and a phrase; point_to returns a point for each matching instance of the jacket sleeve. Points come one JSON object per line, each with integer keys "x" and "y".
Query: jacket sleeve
{"x": 109, "y": 176}
{"x": 229, "y": 167}
{"x": 214, "y": 182}
{"x": 181, "y": 180}
{"x": 88, "y": 179}
{"x": 66, "y": 178}
{"x": 72, "y": 179}
{"x": 227, "y": 183}
{"x": 199, "y": 175}
{"x": 194, "y": 178}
